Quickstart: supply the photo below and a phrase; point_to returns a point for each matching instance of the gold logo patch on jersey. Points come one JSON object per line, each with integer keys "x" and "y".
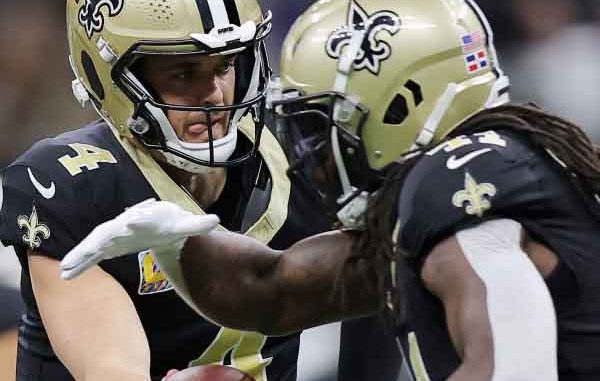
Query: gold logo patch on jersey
{"x": 34, "y": 229}
{"x": 476, "y": 197}
{"x": 152, "y": 279}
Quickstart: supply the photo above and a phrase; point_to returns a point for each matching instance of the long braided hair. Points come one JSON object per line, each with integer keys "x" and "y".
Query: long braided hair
{"x": 565, "y": 140}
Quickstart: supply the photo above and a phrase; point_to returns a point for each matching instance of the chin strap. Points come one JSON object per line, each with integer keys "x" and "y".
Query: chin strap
{"x": 350, "y": 214}
{"x": 433, "y": 122}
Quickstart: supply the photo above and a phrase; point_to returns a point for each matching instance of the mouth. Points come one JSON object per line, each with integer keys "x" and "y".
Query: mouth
{"x": 197, "y": 131}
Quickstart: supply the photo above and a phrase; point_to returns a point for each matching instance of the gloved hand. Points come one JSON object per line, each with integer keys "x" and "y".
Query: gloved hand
{"x": 148, "y": 225}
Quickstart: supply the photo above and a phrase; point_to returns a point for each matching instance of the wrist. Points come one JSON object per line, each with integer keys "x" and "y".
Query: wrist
{"x": 168, "y": 258}
{"x": 170, "y": 251}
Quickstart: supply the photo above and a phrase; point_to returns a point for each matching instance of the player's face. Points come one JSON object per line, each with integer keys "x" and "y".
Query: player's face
{"x": 193, "y": 81}
{"x": 307, "y": 140}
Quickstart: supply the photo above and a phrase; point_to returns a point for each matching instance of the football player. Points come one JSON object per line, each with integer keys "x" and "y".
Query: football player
{"x": 470, "y": 223}
{"x": 180, "y": 87}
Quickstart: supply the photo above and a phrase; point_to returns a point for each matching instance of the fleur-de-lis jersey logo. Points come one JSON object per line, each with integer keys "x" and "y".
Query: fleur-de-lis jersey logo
{"x": 372, "y": 50}
{"x": 476, "y": 196}
{"x": 33, "y": 230}
{"x": 91, "y": 17}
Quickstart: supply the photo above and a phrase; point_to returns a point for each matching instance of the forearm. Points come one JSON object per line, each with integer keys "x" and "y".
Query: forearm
{"x": 122, "y": 357}
{"x": 115, "y": 372}
{"x": 92, "y": 323}
{"x": 112, "y": 365}
{"x": 241, "y": 283}
{"x": 228, "y": 277}
{"x": 111, "y": 342}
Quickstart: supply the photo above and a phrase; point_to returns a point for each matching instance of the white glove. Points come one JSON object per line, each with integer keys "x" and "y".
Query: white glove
{"x": 147, "y": 225}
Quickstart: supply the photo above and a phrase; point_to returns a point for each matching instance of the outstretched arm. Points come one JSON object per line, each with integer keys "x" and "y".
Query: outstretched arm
{"x": 233, "y": 279}
{"x": 241, "y": 283}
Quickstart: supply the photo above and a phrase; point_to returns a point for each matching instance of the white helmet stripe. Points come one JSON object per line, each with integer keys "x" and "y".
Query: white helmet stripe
{"x": 252, "y": 89}
{"x": 218, "y": 12}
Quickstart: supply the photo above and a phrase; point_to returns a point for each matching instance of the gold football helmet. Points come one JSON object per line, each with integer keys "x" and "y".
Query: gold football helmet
{"x": 364, "y": 82}
{"x": 107, "y": 37}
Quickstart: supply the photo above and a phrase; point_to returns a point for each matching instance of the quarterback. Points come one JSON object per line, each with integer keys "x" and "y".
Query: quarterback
{"x": 180, "y": 88}
{"x": 470, "y": 223}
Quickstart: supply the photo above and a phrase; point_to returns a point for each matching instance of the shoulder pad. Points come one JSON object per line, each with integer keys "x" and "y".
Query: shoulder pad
{"x": 48, "y": 187}
{"x": 465, "y": 181}
{"x": 73, "y": 153}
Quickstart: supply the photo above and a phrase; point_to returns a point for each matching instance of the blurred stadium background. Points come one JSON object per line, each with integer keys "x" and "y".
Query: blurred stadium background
{"x": 549, "y": 48}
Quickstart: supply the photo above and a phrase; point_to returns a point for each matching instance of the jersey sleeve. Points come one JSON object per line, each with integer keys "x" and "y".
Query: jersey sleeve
{"x": 466, "y": 181}
{"x": 45, "y": 208}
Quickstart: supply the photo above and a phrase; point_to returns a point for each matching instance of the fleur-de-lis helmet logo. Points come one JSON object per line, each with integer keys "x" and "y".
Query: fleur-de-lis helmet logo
{"x": 372, "y": 51}
{"x": 91, "y": 17}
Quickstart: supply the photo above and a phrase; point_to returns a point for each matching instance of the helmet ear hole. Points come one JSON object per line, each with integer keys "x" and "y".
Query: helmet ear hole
{"x": 92, "y": 75}
{"x": 397, "y": 111}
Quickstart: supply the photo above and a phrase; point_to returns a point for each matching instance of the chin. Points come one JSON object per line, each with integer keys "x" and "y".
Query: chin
{"x": 195, "y": 139}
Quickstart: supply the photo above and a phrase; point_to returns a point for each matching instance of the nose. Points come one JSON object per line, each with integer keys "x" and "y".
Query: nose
{"x": 209, "y": 91}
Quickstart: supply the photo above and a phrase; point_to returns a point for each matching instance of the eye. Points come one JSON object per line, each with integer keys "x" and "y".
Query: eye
{"x": 226, "y": 66}
{"x": 182, "y": 75}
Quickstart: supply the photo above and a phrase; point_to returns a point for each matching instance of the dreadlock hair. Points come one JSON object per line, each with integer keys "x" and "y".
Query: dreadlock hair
{"x": 563, "y": 139}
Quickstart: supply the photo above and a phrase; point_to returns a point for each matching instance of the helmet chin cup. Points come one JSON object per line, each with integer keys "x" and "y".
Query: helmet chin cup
{"x": 185, "y": 155}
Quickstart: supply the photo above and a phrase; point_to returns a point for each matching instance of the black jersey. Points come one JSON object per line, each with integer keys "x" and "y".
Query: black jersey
{"x": 57, "y": 192}
{"x": 490, "y": 175}
{"x": 368, "y": 351}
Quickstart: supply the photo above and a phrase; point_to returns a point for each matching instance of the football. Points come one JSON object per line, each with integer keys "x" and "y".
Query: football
{"x": 210, "y": 373}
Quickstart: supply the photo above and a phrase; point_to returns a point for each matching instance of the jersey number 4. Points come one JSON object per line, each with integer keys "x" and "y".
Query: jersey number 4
{"x": 87, "y": 157}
